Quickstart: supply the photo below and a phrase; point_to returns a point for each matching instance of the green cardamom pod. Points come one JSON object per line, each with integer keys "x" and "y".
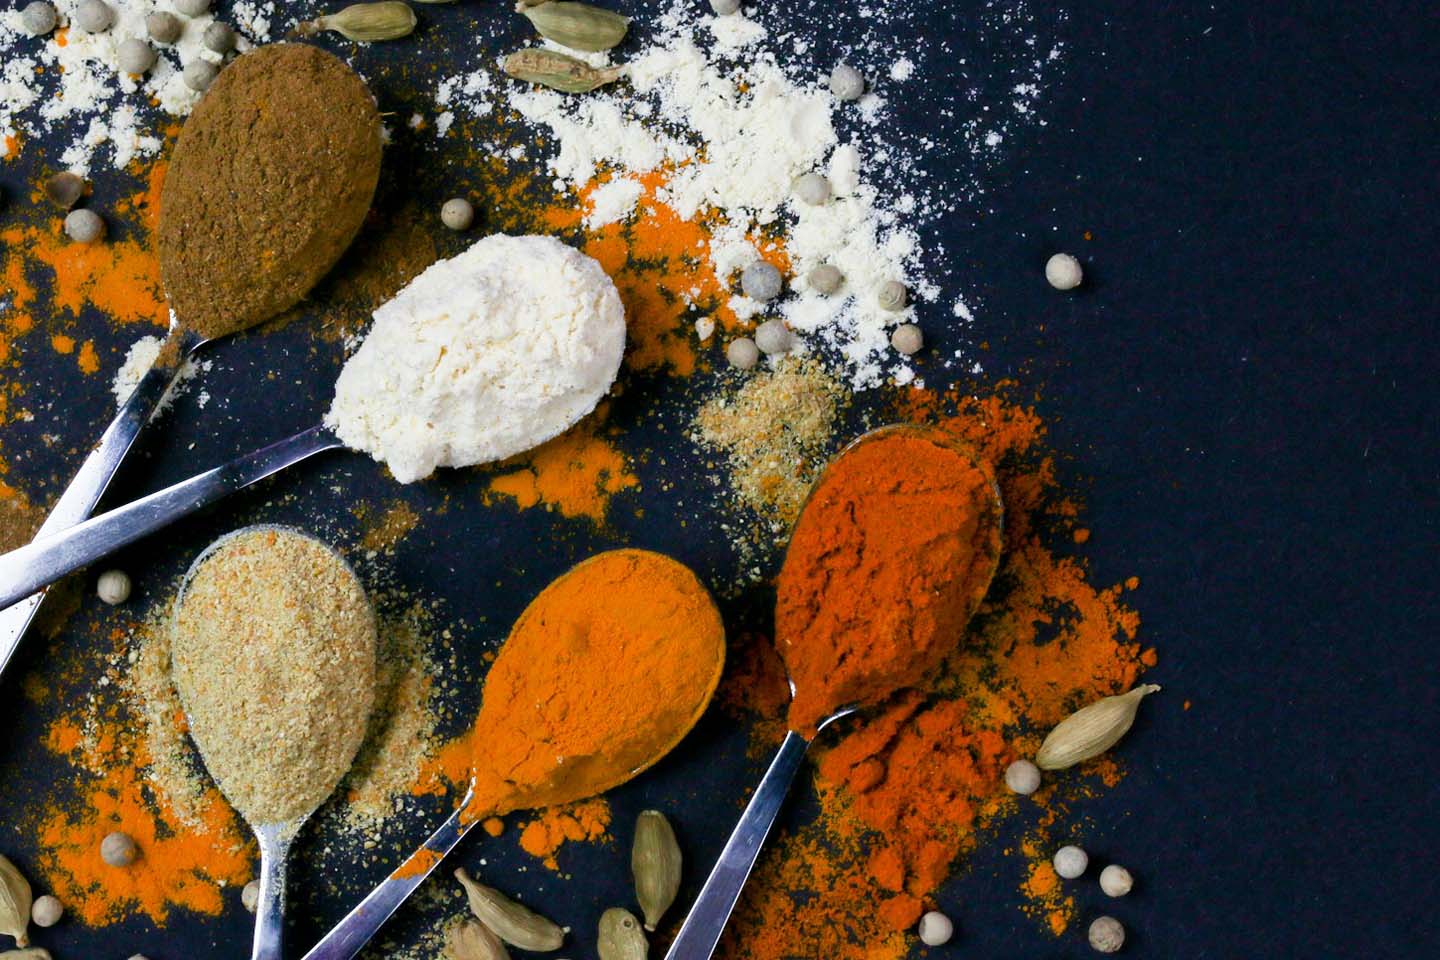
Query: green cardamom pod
{"x": 29, "y": 953}
{"x": 472, "y": 940}
{"x": 1090, "y": 731}
{"x": 621, "y": 937}
{"x": 364, "y": 22}
{"x": 578, "y": 26}
{"x": 516, "y": 925}
{"x": 15, "y": 900}
{"x": 562, "y": 72}
{"x": 655, "y": 862}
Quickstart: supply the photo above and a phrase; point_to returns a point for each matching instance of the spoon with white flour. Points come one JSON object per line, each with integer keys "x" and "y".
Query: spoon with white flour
{"x": 272, "y": 650}
{"x": 481, "y": 357}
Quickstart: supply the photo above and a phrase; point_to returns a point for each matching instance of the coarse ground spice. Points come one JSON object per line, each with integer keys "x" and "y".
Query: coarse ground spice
{"x": 273, "y": 652}
{"x": 774, "y": 431}
{"x": 892, "y": 554}
{"x": 270, "y": 180}
{"x": 912, "y": 787}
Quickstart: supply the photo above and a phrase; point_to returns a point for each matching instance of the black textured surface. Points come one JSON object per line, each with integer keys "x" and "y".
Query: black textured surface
{"x": 1247, "y": 392}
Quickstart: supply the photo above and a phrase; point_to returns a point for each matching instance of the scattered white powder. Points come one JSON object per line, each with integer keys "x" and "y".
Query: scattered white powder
{"x": 138, "y": 361}
{"x": 481, "y": 357}
{"x": 613, "y": 201}
{"x": 77, "y": 88}
{"x": 902, "y": 69}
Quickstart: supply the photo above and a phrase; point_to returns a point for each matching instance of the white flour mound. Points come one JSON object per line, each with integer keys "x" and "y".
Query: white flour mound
{"x": 481, "y": 357}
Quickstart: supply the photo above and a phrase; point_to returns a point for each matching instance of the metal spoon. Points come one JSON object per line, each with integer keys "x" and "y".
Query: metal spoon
{"x": 85, "y": 490}
{"x": 275, "y": 839}
{"x": 700, "y": 933}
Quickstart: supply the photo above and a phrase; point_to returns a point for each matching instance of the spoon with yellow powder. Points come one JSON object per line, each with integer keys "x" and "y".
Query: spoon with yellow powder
{"x": 252, "y": 215}
{"x": 272, "y": 647}
{"x": 894, "y": 550}
{"x": 602, "y": 675}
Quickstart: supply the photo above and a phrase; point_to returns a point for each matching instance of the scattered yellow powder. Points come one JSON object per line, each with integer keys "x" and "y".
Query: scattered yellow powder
{"x": 389, "y": 528}
{"x": 587, "y": 820}
{"x": 576, "y": 475}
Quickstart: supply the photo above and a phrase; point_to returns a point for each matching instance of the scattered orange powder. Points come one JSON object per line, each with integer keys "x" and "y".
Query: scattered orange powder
{"x": 575, "y": 474}
{"x": 62, "y": 343}
{"x": 587, "y": 820}
{"x": 9, "y": 147}
{"x": 909, "y": 789}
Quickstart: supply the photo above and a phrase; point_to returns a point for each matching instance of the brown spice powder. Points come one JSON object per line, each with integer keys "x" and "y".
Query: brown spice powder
{"x": 273, "y": 651}
{"x": 270, "y": 180}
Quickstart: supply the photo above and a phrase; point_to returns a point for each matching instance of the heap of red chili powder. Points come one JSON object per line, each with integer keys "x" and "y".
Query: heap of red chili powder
{"x": 889, "y": 559}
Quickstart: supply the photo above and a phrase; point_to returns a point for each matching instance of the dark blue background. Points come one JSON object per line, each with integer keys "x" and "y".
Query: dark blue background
{"x": 1246, "y": 391}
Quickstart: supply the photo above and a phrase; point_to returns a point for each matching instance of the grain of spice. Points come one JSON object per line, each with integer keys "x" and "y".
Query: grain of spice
{"x": 274, "y": 657}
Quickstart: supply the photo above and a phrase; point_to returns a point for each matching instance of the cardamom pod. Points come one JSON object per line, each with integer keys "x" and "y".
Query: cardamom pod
{"x": 29, "y": 953}
{"x": 1090, "y": 731}
{"x": 621, "y": 937}
{"x": 472, "y": 940}
{"x": 516, "y": 925}
{"x": 559, "y": 71}
{"x": 15, "y": 900}
{"x": 364, "y": 22}
{"x": 578, "y": 26}
{"x": 655, "y": 862}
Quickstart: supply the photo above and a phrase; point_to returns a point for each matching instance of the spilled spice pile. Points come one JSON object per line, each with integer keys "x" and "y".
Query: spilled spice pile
{"x": 914, "y": 786}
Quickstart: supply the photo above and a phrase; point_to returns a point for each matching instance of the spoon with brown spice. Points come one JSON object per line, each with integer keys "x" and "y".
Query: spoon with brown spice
{"x": 272, "y": 646}
{"x": 892, "y": 554}
{"x": 603, "y": 674}
{"x": 252, "y": 215}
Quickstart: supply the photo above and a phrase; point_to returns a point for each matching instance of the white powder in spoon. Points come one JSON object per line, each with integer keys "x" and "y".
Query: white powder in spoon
{"x": 481, "y": 357}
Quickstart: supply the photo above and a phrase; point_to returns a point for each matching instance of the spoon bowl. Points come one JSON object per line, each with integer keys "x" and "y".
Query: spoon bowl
{"x": 274, "y": 835}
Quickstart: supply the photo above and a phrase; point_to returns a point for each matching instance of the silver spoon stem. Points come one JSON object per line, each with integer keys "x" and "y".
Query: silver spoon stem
{"x": 78, "y": 500}
{"x": 349, "y": 936}
{"x": 49, "y": 558}
{"x": 275, "y": 840}
{"x": 701, "y": 930}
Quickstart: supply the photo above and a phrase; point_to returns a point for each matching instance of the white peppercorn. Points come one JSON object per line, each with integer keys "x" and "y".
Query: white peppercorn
{"x": 457, "y": 214}
{"x": 1070, "y": 861}
{"x": 118, "y": 850}
{"x": 846, "y": 82}
{"x": 199, "y": 74}
{"x": 219, "y": 37}
{"x": 825, "y": 279}
{"x": 38, "y": 18}
{"x": 724, "y": 8}
{"x": 935, "y": 929}
{"x": 192, "y": 8}
{"x": 1022, "y": 777}
{"x": 134, "y": 56}
{"x": 907, "y": 339}
{"x": 94, "y": 16}
{"x": 812, "y": 188}
{"x": 761, "y": 281}
{"x": 1116, "y": 881}
{"x": 742, "y": 353}
{"x": 1064, "y": 272}
{"x": 46, "y": 911}
{"x": 113, "y": 587}
{"x": 163, "y": 27}
{"x": 84, "y": 226}
{"x": 892, "y": 295}
{"x": 1106, "y": 935}
{"x": 250, "y": 895}
{"x": 773, "y": 337}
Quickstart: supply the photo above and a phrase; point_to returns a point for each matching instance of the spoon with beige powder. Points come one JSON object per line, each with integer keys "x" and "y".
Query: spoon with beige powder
{"x": 272, "y": 647}
{"x": 480, "y": 358}
{"x": 252, "y": 215}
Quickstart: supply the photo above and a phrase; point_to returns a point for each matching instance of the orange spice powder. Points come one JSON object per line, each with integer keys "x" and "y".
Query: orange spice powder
{"x": 542, "y": 837}
{"x": 908, "y": 790}
{"x": 576, "y": 474}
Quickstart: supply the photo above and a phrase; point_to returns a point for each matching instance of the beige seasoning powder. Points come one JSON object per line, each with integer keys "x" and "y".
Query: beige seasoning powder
{"x": 273, "y": 650}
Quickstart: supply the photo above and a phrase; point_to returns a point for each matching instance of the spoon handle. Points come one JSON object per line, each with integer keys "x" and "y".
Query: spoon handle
{"x": 275, "y": 842}
{"x": 49, "y": 558}
{"x": 702, "y": 928}
{"x": 348, "y": 937}
{"x": 79, "y": 499}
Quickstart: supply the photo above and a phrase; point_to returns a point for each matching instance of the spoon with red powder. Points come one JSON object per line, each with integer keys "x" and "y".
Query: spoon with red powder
{"x": 893, "y": 553}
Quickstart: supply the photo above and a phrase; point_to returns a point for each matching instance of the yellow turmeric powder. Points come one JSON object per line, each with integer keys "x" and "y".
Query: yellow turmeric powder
{"x": 605, "y": 671}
